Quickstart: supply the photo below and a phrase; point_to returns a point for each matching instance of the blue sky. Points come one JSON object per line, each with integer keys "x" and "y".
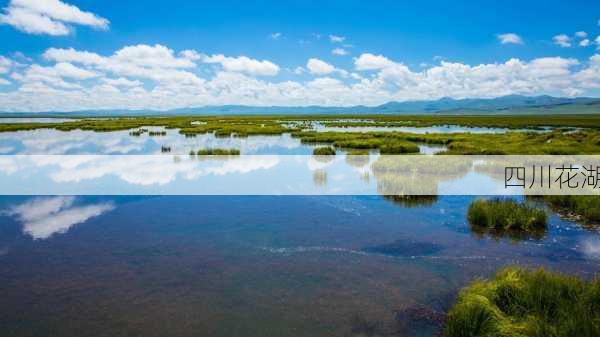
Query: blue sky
{"x": 425, "y": 42}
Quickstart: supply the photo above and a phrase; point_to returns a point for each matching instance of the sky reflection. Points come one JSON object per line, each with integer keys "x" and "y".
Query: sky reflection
{"x": 43, "y": 217}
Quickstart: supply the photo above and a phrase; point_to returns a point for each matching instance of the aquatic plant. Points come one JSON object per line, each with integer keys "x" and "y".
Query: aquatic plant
{"x": 165, "y": 149}
{"x": 526, "y": 303}
{"x": 410, "y": 201}
{"x": 506, "y": 215}
{"x": 218, "y": 152}
{"x": 584, "y": 207}
{"x": 324, "y": 151}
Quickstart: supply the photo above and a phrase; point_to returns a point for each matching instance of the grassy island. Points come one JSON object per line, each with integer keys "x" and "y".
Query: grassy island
{"x": 324, "y": 151}
{"x": 500, "y": 217}
{"x": 216, "y": 152}
{"x": 525, "y": 303}
{"x": 581, "y": 207}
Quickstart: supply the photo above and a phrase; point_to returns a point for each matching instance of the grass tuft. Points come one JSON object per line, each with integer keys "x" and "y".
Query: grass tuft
{"x": 526, "y": 303}
{"x": 506, "y": 215}
{"x": 217, "y": 152}
{"x": 324, "y": 151}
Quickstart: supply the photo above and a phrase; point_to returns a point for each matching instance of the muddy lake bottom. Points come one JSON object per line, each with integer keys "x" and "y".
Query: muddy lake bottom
{"x": 254, "y": 265}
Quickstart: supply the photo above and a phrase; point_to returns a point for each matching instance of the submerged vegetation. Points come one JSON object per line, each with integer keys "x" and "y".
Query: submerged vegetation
{"x": 524, "y": 303}
{"x": 506, "y": 217}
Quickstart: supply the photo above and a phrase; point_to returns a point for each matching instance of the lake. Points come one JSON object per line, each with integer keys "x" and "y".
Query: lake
{"x": 295, "y": 265}
{"x": 252, "y": 266}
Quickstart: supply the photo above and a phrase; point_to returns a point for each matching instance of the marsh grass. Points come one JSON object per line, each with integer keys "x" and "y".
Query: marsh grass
{"x": 506, "y": 217}
{"x": 217, "y": 152}
{"x": 526, "y": 303}
{"x": 583, "y": 207}
{"x": 324, "y": 151}
{"x": 584, "y": 141}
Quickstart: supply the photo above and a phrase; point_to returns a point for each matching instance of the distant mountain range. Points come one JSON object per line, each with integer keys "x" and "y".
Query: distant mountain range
{"x": 512, "y": 104}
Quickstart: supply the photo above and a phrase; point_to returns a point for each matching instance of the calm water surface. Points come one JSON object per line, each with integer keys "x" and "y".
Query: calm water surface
{"x": 245, "y": 266}
{"x": 252, "y": 266}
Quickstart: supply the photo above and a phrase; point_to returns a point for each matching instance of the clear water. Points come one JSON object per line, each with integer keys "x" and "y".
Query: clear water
{"x": 49, "y": 141}
{"x": 244, "y": 265}
{"x": 251, "y": 266}
{"x": 422, "y": 129}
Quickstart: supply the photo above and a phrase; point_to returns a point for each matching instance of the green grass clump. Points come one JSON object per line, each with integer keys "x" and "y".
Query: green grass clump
{"x": 324, "y": 151}
{"x": 500, "y": 217}
{"x": 218, "y": 152}
{"x": 587, "y": 207}
{"x": 526, "y": 303}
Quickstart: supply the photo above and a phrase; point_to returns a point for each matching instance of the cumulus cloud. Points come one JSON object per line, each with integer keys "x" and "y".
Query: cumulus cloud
{"x": 509, "y": 38}
{"x": 43, "y": 217}
{"x": 581, "y": 34}
{"x": 584, "y": 43}
{"x": 51, "y": 17}
{"x": 369, "y": 61}
{"x": 339, "y": 51}
{"x": 319, "y": 67}
{"x": 156, "y": 77}
{"x": 275, "y": 36}
{"x": 562, "y": 40}
{"x": 244, "y": 64}
{"x": 157, "y": 63}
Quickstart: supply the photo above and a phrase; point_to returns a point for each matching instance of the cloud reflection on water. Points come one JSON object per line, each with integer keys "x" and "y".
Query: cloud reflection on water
{"x": 43, "y": 217}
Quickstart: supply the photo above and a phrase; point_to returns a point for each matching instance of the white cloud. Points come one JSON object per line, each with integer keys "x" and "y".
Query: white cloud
{"x": 64, "y": 69}
{"x": 584, "y": 43}
{"x": 275, "y": 36}
{"x": 4, "y": 81}
{"x": 336, "y": 38}
{"x": 581, "y": 34}
{"x": 319, "y": 67}
{"x": 509, "y": 38}
{"x": 562, "y": 40}
{"x": 156, "y": 77}
{"x": 191, "y": 55}
{"x": 44, "y": 217}
{"x": 598, "y": 41}
{"x": 244, "y": 64}
{"x": 121, "y": 82}
{"x": 52, "y": 17}
{"x": 372, "y": 62}
{"x": 339, "y": 51}
{"x": 157, "y": 63}
{"x": 298, "y": 70}
{"x": 5, "y": 64}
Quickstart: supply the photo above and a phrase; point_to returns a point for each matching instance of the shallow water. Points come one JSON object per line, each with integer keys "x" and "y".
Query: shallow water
{"x": 423, "y": 129}
{"x": 238, "y": 265}
{"x": 49, "y": 141}
{"x": 252, "y": 266}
